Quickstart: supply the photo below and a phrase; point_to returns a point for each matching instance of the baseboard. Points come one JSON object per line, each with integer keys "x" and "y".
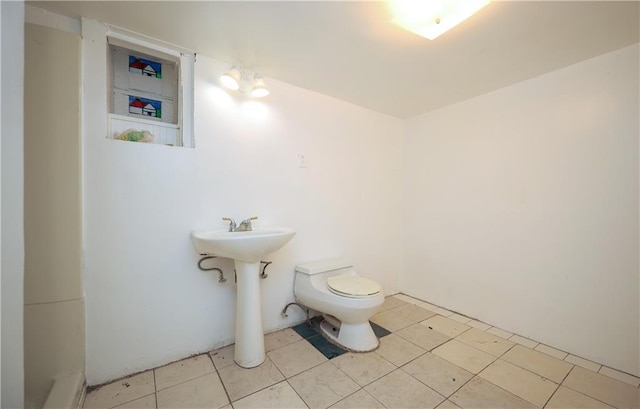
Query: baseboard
{"x": 67, "y": 391}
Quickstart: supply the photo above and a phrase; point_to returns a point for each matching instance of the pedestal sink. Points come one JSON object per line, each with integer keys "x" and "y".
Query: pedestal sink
{"x": 246, "y": 248}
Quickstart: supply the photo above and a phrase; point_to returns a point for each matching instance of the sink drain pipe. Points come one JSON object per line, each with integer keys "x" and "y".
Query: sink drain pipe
{"x": 302, "y": 307}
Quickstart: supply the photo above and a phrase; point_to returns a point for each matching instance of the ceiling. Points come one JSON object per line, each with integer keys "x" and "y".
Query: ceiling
{"x": 350, "y": 50}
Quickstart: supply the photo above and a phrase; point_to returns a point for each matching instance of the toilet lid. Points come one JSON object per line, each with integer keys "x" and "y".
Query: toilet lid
{"x": 352, "y": 286}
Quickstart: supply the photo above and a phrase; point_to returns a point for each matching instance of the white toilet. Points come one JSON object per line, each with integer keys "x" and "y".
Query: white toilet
{"x": 345, "y": 299}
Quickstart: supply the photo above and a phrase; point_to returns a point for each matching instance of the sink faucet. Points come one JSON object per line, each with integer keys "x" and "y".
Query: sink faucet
{"x": 232, "y": 223}
{"x": 244, "y": 225}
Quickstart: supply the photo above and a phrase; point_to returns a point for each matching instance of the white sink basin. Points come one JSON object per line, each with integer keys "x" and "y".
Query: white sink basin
{"x": 247, "y": 246}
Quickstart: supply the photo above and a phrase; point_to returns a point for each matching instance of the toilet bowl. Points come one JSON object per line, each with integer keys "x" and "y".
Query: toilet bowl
{"x": 346, "y": 301}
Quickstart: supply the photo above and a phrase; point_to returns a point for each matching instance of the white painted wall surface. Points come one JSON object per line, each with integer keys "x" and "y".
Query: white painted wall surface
{"x": 147, "y": 303}
{"x": 12, "y": 177}
{"x": 53, "y": 291}
{"x": 521, "y": 208}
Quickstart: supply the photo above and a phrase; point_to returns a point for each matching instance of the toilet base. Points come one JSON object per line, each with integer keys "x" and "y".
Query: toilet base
{"x": 353, "y": 337}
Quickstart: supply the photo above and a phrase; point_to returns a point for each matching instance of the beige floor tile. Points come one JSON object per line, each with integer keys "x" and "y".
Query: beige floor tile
{"x": 459, "y": 318}
{"x": 556, "y": 353}
{"x": 363, "y": 368}
{"x": 480, "y": 394}
{"x": 445, "y": 326}
{"x": 538, "y": 362}
{"x": 203, "y": 392}
{"x": 442, "y": 311}
{"x": 280, "y": 395}
{"x": 422, "y": 336}
{"x": 426, "y": 305}
{"x": 500, "y": 332}
{"x": 122, "y": 391}
{"x": 447, "y": 404}
{"x": 297, "y": 357}
{"x": 529, "y": 343}
{"x": 361, "y": 400}
{"x": 489, "y": 343}
{"x": 405, "y": 298}
{"x": 279, "y": 339}
{"x": 182, "y": 371}
{"x": 479, "y": 324}
{"x": 240, "y": 382}
{"x": 223, "y": 357}
{"x": 391, "y": 302}
{"x": 603, "y": 388}
{"x": 566, "y": 398}
{"x": 621, "y": 376}
{"x": 148, "y": 402}
{"x": 324, "y": 385}
{"x": 391, "y": 320}
{"x": 399, "y": 390}
{"x": 398, "y": 350}
{"x": 413, "y": 312}
{"x": 585, "y": 363}
{"x": 437, "y": 373}
{"x": 520, "y": 382}
{"x": 464, "y": 356}
{"x": 435, "y": 308}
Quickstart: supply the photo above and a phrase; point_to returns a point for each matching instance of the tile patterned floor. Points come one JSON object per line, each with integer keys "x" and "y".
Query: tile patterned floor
{"x": 431, "y": 358}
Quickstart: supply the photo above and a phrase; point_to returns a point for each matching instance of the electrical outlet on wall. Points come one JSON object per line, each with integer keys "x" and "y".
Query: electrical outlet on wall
{"x": 301, "y": 160}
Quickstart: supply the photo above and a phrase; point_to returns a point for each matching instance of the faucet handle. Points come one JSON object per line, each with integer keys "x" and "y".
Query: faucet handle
{"x": 245, "y": 225}
{"x": 232, "y": 223}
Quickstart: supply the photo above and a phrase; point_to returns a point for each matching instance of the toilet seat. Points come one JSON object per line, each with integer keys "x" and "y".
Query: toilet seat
{"x": 352, "y": 286}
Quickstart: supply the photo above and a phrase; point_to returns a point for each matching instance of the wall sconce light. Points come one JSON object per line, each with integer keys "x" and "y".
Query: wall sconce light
{"x": 245, "y": 81}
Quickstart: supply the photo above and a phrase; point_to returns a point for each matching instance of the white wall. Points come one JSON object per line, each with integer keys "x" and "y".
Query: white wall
{"x": 146, "y": 301}
{"x": 521, "y": 208}
{"x": 12, "y": 239}
{"x": 53, "y": 291}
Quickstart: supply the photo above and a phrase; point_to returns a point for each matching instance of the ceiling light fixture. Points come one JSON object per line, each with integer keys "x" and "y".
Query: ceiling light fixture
{"x": 431, "y": 18}
{"x": 245, "y": 81}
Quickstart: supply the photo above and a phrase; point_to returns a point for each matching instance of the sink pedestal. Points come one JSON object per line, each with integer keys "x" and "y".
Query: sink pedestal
{"x": 245, "y": 245}
{"x": 249, "y": 349}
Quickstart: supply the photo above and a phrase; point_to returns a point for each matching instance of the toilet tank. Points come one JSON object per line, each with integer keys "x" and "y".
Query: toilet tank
{"x": 324, "y": 266}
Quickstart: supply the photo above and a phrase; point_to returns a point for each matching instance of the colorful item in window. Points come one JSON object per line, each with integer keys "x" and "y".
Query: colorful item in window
{"x": 145, "y": 67}
{"x": 145, "y": 107}
{"x": 135, "y": 136}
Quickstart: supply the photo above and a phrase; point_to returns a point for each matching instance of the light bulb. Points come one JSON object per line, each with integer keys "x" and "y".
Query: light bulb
{"x": 231, "y": 79}
{"x": 259, "y": 88}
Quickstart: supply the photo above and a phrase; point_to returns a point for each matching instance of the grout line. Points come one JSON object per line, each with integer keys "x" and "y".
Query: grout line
{"x": 305, "y": 402}
{"x": 582, "y": 393}
{"x": 558, "y": 387}
{"x": 155, "y": 388}
{"x": 582, "y": 364}
{"x": 534, "y": 348}
{"x": 224, "y": 388}
{"x": 517, "y": 367}
{"x": 509, "y": 392}
{"x": 430, "y": 387}
{"x": 186, "y": 380}
{"x": 542, "y": 346}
